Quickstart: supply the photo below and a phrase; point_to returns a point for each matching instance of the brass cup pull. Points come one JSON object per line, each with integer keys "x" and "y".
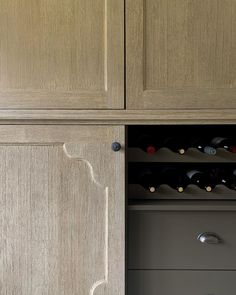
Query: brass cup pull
{"x": 209, "y": 238}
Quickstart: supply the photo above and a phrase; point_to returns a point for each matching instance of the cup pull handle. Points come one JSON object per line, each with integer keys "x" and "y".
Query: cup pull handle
{"x": 209, "y": 238}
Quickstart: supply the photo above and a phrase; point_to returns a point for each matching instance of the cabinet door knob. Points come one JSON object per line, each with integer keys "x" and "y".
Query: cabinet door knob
{"x": 209, "y": 238}
{"x": 116, "y": 146}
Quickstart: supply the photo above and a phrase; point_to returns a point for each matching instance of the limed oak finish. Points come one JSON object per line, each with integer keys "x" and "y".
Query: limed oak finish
{"x": 62, "y": 54}
{"x": 118, "y": 117}
{"x": 61, "y": 210}
{"x": 181, "y": 54}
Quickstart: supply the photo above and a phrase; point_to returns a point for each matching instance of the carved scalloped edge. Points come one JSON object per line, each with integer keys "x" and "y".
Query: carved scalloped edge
{"x": 106, "y": 258}
{"x": 87, "y": 163}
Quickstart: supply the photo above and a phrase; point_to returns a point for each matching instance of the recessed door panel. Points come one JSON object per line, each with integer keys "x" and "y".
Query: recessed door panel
{"x": 181, "y": 54}
{"x": 61, "y": 54}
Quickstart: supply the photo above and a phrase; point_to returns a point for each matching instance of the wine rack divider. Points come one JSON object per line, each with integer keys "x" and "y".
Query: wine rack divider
{"x": 192, "y": 192}
{"x": 192, "y": 155}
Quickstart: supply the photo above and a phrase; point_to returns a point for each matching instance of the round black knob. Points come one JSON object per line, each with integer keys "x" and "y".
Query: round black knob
{"x": 116, "y": 146}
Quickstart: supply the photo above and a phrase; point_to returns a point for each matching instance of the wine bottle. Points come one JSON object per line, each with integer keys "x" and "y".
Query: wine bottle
{"x": 147, "y": 144}
{"x": 146, "y": 179}
{"x": 226, "y": 143}
{"x": 201, "y": 179}
{"x": 227, "y": 178}
{"x": 233, "y": 179}
{"x": 176, "y": 145}
{"x": 174, "y": 178}
{"x": 204, "y": 147}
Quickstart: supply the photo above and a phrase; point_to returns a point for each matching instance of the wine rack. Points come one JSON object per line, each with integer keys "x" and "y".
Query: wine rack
{"x": 187, "y": 139}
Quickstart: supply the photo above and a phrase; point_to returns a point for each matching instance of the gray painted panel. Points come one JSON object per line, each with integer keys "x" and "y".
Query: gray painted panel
{"x": 168, "y": 240}
{"x": 181, "y": 282}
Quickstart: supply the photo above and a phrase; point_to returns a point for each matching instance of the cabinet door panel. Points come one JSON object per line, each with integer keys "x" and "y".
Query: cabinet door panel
{"x": 181, "y": 54}
{"x": 61, "y": 54}
{"x": 62, "y": 210}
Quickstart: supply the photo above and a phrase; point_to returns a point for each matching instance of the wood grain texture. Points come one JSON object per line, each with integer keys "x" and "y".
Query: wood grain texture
{"x": 62, "y": 211}
{"x": 181, "y": 54}
{"x": 114, "y": 117}
{"x": 62, "y": 54}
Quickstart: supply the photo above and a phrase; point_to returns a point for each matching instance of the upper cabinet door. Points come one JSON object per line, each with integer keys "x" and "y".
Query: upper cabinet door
{"x": 61, "y": 54}
{"x": 181, "y": 54}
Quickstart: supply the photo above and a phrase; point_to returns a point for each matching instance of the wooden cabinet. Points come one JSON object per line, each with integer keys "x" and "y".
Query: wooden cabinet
{"x": 181, "y": 54}
{"x": 62, "y": 210}
{"x": 62, "y": 188}
{"x": 62, "y": 54}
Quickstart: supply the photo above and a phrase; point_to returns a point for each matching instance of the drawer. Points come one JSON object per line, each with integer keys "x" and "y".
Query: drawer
{"x": 169, "y": 240}
{"x": 181, "y": 282}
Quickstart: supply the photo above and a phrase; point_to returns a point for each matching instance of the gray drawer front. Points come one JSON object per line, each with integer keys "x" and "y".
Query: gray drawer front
{"x": 168, "y": 240}
{"x": 181, "y": 282}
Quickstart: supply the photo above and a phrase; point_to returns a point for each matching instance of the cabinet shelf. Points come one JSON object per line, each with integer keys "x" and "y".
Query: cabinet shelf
{"x": 192, "y": 155}
{"x": 181, "y": 205}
